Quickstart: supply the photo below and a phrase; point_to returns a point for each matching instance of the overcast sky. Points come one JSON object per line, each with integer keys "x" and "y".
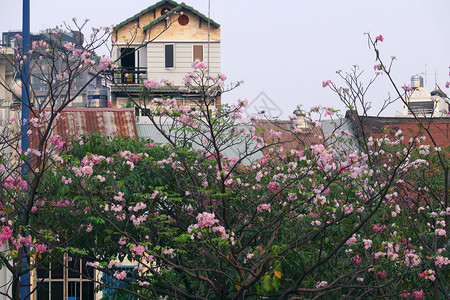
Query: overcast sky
{"x": 287, "y": 48}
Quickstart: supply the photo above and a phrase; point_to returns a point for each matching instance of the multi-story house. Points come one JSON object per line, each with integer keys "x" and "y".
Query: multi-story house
{"x": 6, "y": 55}
{"x": 40, "y": 73}
{"x": 161, "y": 42}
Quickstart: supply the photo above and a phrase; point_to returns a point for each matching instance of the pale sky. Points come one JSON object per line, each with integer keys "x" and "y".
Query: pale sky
{"x": 287, "y": 48}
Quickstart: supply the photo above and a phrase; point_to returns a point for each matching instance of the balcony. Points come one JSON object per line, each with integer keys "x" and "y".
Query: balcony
{"x": 127, "y": 75}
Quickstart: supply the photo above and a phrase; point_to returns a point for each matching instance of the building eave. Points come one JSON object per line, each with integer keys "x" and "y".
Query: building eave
{"x": 177, "y": 7}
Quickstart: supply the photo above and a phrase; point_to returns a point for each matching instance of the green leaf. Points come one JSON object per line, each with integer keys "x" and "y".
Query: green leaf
{"x": 267, "y": 283}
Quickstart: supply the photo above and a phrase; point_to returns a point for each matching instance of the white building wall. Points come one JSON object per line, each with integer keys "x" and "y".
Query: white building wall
{"x": 183, "y": 53}
{"x": 5, "y": 276}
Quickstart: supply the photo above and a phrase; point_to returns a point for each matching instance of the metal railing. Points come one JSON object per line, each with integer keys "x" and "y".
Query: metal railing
{"x": 127, "y": 75}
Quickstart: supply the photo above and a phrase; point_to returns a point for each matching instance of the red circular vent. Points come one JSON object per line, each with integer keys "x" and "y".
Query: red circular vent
{"x": 183, "y": 20}
{"x": 165, "y": 10}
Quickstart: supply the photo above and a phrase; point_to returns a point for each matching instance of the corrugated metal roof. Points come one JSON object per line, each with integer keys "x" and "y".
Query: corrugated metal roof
{"x": 77, "y": 121}
{"x": 229, "y": 148}
{"x": 333, "y": 132}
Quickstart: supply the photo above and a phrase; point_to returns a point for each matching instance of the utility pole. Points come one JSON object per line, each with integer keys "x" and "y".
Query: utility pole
{"x": 25, "y": 141}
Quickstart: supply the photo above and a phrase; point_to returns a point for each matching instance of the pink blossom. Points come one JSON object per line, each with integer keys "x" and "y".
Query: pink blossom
{"x": 325, "y": 83}
{"x": 351, "y": 241}
{"x": 382, "y": 274}
{"x": 69, "y": 46}
{"x": 440, "y": 231}
{"x": 418, "y": 295}
{"x": 441, "y": 260}
{"x": 106, "y": 63}
{"x": 329, "y": 111}
{"x": 404, "y": 294}
{"x": 263, "y": 207}
{"x": 138, "y": 250}
{"x": 356, "y": 260}
{"x": 121, "y": 275}
{"x": 5, "y": 234}
{"x": 168, "y": 251}
{"x": 407, "y": 88}
{"x": 377, "y": 228}
{"x": 320, "y": 284}
{"x": 367, "y": 243}
{"x": 273, "y": 186}
{"x": 92, "y": 264}
{"x": 199, "y": 65}
{"x": 379, "y": 38}
{"x": 447, "y": 84}
{"x": 206, "y": 219}
{"x": 41, "y": 248}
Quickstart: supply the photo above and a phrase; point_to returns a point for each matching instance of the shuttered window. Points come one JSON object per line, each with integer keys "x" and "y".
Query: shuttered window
{"x": 198, "y": 53}
{"x": 169, "y": 56}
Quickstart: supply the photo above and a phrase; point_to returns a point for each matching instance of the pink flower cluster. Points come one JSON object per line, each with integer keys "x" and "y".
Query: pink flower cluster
{"x": 106, "y": 63}
{"x": 206, "y": 220}
{"x": 263, "y": 207}
{"x": 151, "y": 84}
{"x": 325, "y": 83}
{"x": 199, "y": 65}
{"x": 273, "y": 186}
{"x": 378, "y": 228}
{"x": 5, "y": 234}
{"x": 121, "y": 275}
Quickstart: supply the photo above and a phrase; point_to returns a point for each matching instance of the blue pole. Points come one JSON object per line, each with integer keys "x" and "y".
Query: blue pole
{"x": 25, "y": 142}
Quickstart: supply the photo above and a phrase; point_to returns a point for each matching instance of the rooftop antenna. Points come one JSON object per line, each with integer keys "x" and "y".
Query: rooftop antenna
{"x": 209, "y": 30}
{"x": 435, "y": 78}
{"x": 426, "y": 75}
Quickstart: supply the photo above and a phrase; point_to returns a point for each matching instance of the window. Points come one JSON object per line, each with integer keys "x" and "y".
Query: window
{"x": 183, "y": 20}
{"x": 79, "y": 78}
{"x": 108, "y": 294}
{"x": 169, "y": 56}
{"x": 128, "y": 63}
{"x": 198, "y": 53}
{"x": 56, "y": 279}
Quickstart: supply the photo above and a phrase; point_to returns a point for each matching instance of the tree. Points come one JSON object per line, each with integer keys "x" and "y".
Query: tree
{"x": 55, "y": 64}
{"x": 323, "y": 221}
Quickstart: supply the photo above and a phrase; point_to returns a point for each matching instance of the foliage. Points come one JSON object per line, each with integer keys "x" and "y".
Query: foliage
{"x": 321, "y": 221}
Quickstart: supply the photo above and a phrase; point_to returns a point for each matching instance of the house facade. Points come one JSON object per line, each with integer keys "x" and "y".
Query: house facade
{"x": 424, "y": 104}
{"x": 82, "y": 84}
{"x": 161, "y": 42}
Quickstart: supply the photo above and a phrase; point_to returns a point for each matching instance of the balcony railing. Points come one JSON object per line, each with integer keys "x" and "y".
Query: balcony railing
{"x": 127, "y": 75}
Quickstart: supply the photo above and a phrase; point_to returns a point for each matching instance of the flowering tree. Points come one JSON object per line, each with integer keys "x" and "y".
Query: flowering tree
{"x": 54, "y": 65}
{"x": 325, "y": 220}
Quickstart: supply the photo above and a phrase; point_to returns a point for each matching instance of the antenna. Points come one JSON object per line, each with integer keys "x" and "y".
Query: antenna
{"x": 426, "y": 75}
{"x": 435, "y": 78}
{"x": 209, "y": 30}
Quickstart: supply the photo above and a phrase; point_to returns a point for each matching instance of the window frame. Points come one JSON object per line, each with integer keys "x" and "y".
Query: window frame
{"x": 165, "y": 56}
{"x": 193, "y": 52}
{"x": 66, "y": 280}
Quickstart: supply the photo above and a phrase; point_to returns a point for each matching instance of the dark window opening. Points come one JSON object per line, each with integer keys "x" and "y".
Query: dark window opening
{"x": 169, "y": 56}
{"x": 128, "y": 63}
